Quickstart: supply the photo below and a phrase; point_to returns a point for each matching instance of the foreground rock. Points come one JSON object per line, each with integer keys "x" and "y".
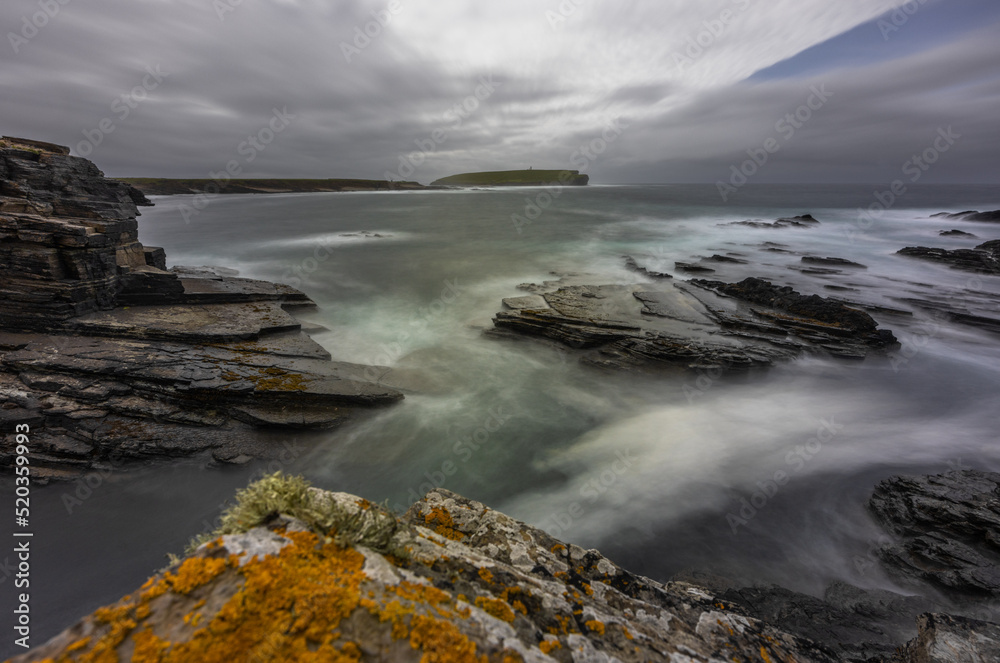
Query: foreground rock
{"x": 111, "y": 358}
{"x": 693, "y": 325}
{"x": 949, "y": 639}
{"x": 452, "y": 580}
{"x": 856, "y": 624}
{"x": 296, "y": 573}
{"x": 947, "y": 530}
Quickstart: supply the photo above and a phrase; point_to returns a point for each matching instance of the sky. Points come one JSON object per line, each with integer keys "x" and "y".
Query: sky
{"x": 631, "y": 91}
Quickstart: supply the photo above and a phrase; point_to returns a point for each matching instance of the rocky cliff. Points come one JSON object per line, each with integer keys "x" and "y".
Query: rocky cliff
{"x": 300, "y": 574}
{"x": 111, "y": 358}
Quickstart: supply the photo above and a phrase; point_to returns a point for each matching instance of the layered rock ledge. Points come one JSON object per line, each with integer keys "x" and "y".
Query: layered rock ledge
{"x": 110, "y": 357}
{"x": 691, "y": 325}
{"x": 299, "y": 573}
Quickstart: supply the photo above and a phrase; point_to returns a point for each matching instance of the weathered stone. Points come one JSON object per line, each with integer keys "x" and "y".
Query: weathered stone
{"x": 473, "y": 584}
{"x": 694, "y": 325}
{"x": 947, "y": 530}
{"x": 118, "y": 359}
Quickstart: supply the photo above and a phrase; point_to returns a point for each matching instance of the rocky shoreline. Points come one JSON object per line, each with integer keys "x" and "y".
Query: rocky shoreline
{"x": 113, "y": 359}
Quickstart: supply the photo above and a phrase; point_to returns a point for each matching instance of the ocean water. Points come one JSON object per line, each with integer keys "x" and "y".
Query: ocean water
{"x": 761, "y": 477}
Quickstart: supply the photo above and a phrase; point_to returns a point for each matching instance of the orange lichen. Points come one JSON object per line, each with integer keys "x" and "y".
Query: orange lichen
{"x": 628, "y": 634}
{"x": 496, "y": 608}
{"x": 486, "y": 575}
{"x": 596, "y": 626}
{"x": 764, "y": 655}
{"x": 558, "y": 549}
{"x": 195, "y": 572}
{"x": 286, "y": 607}
{"x": 549, "y": 646}
{"x": 147, "y": 647}
{"x": 445, "y": 524}
{"x": 440, "y": 641}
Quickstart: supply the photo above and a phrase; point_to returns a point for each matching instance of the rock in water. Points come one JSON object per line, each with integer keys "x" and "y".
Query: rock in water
{"x": 112, "y": 358}
{"x": 947, "y": 530}
{"x": 698, "y": 325}
{"x": 984, "y": 259}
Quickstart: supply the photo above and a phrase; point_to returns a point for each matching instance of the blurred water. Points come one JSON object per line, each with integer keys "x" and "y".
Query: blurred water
{"x": 652, "y": 471}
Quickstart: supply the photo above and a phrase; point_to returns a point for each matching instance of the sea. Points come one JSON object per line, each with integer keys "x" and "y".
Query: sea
{"x": 761, "y": 477}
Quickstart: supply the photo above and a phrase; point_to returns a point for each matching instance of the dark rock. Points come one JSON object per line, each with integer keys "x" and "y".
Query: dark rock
{"x": 984, "y": 259}
{"x": 955, "y": 233}
{"x": 692, "y": 268}
{"x": 839, "y": 262}
{"x": 803, "y": 221}
{"x": 692, "y": 326}
{"x": 117, "y": 359}
{"x": 803, "y": 218}
{"x": 947, "y": 530}
{"x": 729, "y": 259}
{"x": 632, "y": 265}
{"x": 971, "y": 216}
{"x": 950, "y": 639}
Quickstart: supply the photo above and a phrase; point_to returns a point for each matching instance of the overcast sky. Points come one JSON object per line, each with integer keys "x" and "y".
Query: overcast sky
{"x": 688, "y": 85}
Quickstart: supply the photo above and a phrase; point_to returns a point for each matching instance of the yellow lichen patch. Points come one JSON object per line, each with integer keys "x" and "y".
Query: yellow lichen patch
{"x": 496, "y": 608}
{"x": 440, "y": 641}
{"x": 445, "y": 524}
{"x": 194, "y": 573}
{"x": 764, "y": 655}
{"x": 510, "y": 656}
{"x": 486, "y": 574}
{"x": 549, "y": 646}
{"x": 558, "y": 549}
{"x": 79, "y": 644}
{"x": 285, "y": 607}
{"x": 588, "y": 589}
{"x": 596, "y": 626}
{"x": 147, "y": 647}
{"x": 628, "y": 634}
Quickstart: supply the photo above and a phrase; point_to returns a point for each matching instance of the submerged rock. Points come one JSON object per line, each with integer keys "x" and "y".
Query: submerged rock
{"x": 802, "y": 221}
{"x": 112, "y": 358}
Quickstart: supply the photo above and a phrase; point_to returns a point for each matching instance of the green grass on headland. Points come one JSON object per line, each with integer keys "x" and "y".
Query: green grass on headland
{"x": 517, "y": 178}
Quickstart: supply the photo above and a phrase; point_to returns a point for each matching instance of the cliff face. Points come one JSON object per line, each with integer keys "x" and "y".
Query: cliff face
{"x": 67, "y": 235}
{"x": 110, "y": 358}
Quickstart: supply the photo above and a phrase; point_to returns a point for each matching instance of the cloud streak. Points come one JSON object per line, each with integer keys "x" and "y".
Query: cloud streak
{"x": 562, "y": 81}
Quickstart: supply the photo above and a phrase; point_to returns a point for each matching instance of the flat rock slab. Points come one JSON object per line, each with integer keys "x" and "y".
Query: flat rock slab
{"x": 203, "y": 323}
{"x": 692, "y": 325}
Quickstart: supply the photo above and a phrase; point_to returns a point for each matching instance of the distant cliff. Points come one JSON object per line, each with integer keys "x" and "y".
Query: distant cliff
{"x": 156, "y": 186}
{"x": 517, "y": 178}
